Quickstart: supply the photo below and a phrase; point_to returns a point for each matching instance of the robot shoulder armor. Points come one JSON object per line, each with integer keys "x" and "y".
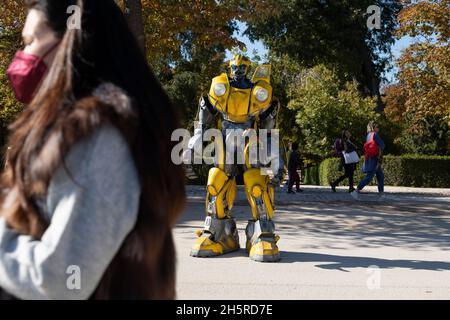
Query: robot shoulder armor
{"x": 221, "y": 79}
{"x": 261, "y": 95}
{"x": 260, "y": 89}
{"x": 219, "y": 90}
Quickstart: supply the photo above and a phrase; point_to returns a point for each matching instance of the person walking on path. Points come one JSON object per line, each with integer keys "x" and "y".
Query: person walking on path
{"x": 373, "y": 151}
{"x": 338, "y": 151}
{"x": 349, "y": 168}
{"x": 294, "y": 163}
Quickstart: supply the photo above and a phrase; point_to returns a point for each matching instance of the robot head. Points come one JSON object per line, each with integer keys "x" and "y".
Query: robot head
{"x": 239, "y": 67}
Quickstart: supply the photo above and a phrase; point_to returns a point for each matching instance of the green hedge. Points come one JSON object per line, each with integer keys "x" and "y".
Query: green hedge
{"x": 311, "y": 175}
{"x": 406, "y": 170}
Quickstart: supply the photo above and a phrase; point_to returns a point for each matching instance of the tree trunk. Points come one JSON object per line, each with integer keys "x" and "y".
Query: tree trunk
{"x": 372, "y": 81}
{"x": 133, "y": 14}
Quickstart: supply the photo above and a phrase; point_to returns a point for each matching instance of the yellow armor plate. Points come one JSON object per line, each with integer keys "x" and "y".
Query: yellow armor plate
{"x": 259, "y": 106}
{"x": 219, "y": 101}
{"x": 237, "y": 105}
{"x": 262, "y": 72}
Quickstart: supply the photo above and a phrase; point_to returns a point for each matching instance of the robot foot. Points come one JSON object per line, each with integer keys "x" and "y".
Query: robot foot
{"x": 262, "y": 241}
{"x": 218, "y": 237}
{"x": 265, "y": 251}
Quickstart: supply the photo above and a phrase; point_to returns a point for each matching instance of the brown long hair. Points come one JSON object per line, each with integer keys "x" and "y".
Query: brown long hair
{"x": 63, "y": 111}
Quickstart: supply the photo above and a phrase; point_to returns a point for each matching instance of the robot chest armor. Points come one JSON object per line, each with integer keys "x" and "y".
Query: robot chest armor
{"x": 239, "y": 105}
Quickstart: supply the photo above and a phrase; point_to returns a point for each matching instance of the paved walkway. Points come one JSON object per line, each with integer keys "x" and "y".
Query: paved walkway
{"x": 332, "y": 248}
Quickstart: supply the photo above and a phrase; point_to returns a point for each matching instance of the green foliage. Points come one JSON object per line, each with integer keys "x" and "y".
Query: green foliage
{"x": 285, "y": 72}
{"x": 311, "y": 175}
{"x": 406, "y": 170}
{"x": 432, "y": 135}
{"x": 416, "y": 127}
{"x": 327, "y": 169}
{"x": 390, "y": 131}
{"x": 183, "y": 91}
{"x": 186, "y": 81}
{"x": 324, "y": 107}
{"x": 334, "y": 33}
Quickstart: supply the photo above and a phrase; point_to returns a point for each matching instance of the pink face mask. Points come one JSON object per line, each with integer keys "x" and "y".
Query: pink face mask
{"x": 26, "y": 73}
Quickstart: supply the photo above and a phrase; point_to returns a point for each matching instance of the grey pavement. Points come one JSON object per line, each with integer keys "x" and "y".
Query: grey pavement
{"x": 332, "y": 247}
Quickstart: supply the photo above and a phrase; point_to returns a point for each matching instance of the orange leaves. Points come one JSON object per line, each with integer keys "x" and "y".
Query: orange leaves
{"x": 207, "y": 22}
{"x": 12, "y": 15}
{"x": 395, "y": 98}
{"x": 420, "y": 102}
{"x": 424, "y": 66}
{"x": 428, "y": 18}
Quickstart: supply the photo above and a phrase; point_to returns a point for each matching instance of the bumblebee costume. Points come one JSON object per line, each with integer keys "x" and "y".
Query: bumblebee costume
{"x": 238, "y": 103}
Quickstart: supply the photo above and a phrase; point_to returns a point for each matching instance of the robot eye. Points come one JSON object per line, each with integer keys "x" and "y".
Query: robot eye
{"x": 234, "y": 67}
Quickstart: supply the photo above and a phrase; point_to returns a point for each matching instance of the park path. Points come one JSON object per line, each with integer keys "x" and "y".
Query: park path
{"x": 332, "y": 248}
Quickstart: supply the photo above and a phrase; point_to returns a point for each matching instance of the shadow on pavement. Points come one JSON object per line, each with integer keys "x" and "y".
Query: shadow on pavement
{"x": 416, "y": 226}
{"x": 335, "y": 262}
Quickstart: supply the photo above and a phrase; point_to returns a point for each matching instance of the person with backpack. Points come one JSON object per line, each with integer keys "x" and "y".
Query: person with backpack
{"x": 349, "y": 165}
{"x": 293, "y": 164}
{"x": 373, "y": 150}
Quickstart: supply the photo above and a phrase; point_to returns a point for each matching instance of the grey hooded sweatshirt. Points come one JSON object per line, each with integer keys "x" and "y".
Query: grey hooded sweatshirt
{"x": 89, "y": 219}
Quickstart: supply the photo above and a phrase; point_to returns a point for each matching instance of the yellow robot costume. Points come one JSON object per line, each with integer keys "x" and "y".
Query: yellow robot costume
{"x": 238, "y": 103}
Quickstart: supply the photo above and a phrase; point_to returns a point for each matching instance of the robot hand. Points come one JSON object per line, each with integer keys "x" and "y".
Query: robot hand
{"x": 194, "y": 149}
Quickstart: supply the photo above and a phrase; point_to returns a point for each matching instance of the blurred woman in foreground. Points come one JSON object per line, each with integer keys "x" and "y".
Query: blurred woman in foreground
{"x": 90, "y": 189}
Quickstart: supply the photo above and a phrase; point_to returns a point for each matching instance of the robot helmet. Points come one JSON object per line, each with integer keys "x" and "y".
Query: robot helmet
{"x": 239, "y": 66}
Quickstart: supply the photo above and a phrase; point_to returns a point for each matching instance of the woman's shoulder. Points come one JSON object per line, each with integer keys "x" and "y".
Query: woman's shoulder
{"x": 94, "y": 130}
{"x": 98, "y": 117}
{"x": 105, "y": 137}
{"x": 102, "y": 147}
{"x": 115, "y": 97}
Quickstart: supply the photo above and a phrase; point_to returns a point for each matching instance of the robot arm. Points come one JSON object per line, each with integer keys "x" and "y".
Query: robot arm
{"x": 206, "y": 113}
{"x": 268, "y": 120}
{"x": 206, "y": 117}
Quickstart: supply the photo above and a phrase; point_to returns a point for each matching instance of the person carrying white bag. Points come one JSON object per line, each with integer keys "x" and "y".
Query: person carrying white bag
{"x": 349, "y": 160}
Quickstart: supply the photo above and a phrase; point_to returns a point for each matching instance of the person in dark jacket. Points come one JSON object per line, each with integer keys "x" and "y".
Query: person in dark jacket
{"x": 349, "y": 169}
{"x": 293, "y": 164}
{"x": 338, "y": 151}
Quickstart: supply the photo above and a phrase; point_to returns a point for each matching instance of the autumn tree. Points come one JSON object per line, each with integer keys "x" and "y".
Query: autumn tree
{"x": 12, "y": 17}
{"x": 178, "y": 37}
{"x": 421, "y": 99}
